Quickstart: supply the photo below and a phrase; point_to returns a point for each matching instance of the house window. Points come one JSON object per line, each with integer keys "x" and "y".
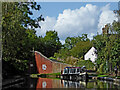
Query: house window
{"x": 93, "y": 54}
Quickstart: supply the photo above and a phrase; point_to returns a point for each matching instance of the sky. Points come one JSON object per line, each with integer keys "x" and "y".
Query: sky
{"x": 72, "y": 19}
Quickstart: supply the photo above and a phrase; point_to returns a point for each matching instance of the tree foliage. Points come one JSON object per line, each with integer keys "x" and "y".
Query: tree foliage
{"x": 17, "y": 39}
{"x": 80, "y": 49}
{"x": 52, "y": 43}
{"x": 73, "y": 49}
{"x": 108, "y": 47}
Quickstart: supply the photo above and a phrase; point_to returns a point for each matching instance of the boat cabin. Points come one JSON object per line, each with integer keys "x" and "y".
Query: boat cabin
{"x": 74, "y": 73}
{"x": 73, "y": 70}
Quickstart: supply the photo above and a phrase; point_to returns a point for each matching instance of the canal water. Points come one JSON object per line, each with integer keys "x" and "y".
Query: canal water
{"x": 35, "y": 83}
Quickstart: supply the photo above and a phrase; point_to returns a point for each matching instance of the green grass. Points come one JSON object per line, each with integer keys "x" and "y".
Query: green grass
{"x": 92, "y": 74}
{"x": 118, "y": 77}
{"x": 52, "y": 74}
{"x": 53, "y": 78}
{"x": 34, "y": 75}
{"x": 102, "y": 76}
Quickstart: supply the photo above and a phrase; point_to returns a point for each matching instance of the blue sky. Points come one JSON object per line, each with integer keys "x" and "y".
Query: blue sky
{"x": 71, "y": 19}
{"x": 53, "y": 9}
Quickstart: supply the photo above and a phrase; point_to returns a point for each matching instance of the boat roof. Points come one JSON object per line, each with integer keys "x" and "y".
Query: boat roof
{"x": 72, "y": 67}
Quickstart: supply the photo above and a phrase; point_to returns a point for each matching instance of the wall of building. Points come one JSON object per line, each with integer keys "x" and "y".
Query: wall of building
{"x": 91, "y": 55}
{"x": 45, "y": 65}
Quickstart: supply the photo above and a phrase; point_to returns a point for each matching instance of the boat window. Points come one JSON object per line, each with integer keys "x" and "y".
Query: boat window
{"x": 78, "y": 70}
{"x": 81, "y": 70}
{"x": 65, "y": 70}
{"x": 71, "y": 70}
{"x": 68, "y": 70}
{"x": 74, "y": 70}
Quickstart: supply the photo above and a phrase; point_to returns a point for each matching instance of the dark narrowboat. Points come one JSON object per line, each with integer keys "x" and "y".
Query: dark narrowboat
{"x": 74, "y": 73}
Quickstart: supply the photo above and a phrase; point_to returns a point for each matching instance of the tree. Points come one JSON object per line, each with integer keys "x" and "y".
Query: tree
{"x": 74, "y": 48}
{"x": 80, "y": 49}
{"x": 108, "y": 46}
{"x": 71, "y": 41}
{"x": 52, "y": 43}
{"x": 17, "y": 39}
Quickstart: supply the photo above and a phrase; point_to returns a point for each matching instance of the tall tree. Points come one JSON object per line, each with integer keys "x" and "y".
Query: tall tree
{"x": 80, "y": 49}
{"x": 71, "y": 41}
{"x": 16, "y": 38}
{"x": 108, "y": 47}
{"x": 52, "y": 43}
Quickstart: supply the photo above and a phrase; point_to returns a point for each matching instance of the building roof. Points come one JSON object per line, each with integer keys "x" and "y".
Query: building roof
{"x": 93, "y": 48}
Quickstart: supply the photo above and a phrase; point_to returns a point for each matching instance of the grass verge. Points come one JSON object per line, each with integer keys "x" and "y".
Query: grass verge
{"x": 102, "y": 76}
{"x": 46, "y": 75}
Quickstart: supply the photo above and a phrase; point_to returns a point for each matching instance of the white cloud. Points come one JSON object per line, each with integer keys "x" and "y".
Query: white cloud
{"x": 89, "y": 19}
{"x": 106, "y": 16}
{"x": 91, "y": 35}
{"x": 62, "y": 41}
{"x": 46, "y": 25}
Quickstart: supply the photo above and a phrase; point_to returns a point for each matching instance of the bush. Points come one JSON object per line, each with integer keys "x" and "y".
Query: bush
{"x": 89, "y": 65}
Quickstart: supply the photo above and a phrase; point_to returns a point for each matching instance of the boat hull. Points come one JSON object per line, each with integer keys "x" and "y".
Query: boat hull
{"x": 75, "y": 77}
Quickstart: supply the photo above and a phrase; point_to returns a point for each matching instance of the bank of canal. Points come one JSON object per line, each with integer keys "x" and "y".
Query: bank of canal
{"x": 91, "y": 76}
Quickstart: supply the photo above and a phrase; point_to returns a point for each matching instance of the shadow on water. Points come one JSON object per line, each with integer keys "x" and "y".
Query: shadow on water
{"x": 36, "y": 83}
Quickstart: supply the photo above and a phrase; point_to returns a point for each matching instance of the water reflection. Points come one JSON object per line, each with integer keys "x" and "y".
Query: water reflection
{"x": 57, "y": 83}
{"x": 36, "y": 83}
{"x": 74, "y": 84}
{"x": 49, "y": 83}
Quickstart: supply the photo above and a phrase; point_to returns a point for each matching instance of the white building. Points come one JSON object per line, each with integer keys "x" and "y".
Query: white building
{"x": 91, "y": 55}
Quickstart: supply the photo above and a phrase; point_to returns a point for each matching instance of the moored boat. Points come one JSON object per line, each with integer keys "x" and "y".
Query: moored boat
{"x": 74, "y": 73}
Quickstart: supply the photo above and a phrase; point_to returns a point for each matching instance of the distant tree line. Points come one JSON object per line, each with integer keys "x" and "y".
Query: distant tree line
{"x": 74, "y": 49}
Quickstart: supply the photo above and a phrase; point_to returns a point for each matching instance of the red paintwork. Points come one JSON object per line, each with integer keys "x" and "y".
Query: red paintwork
{"x": 44, "y": 83}
{"x": 51, "y": 66}
{"x": 49, "y": 83}
{"x": 40, "y": 60}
